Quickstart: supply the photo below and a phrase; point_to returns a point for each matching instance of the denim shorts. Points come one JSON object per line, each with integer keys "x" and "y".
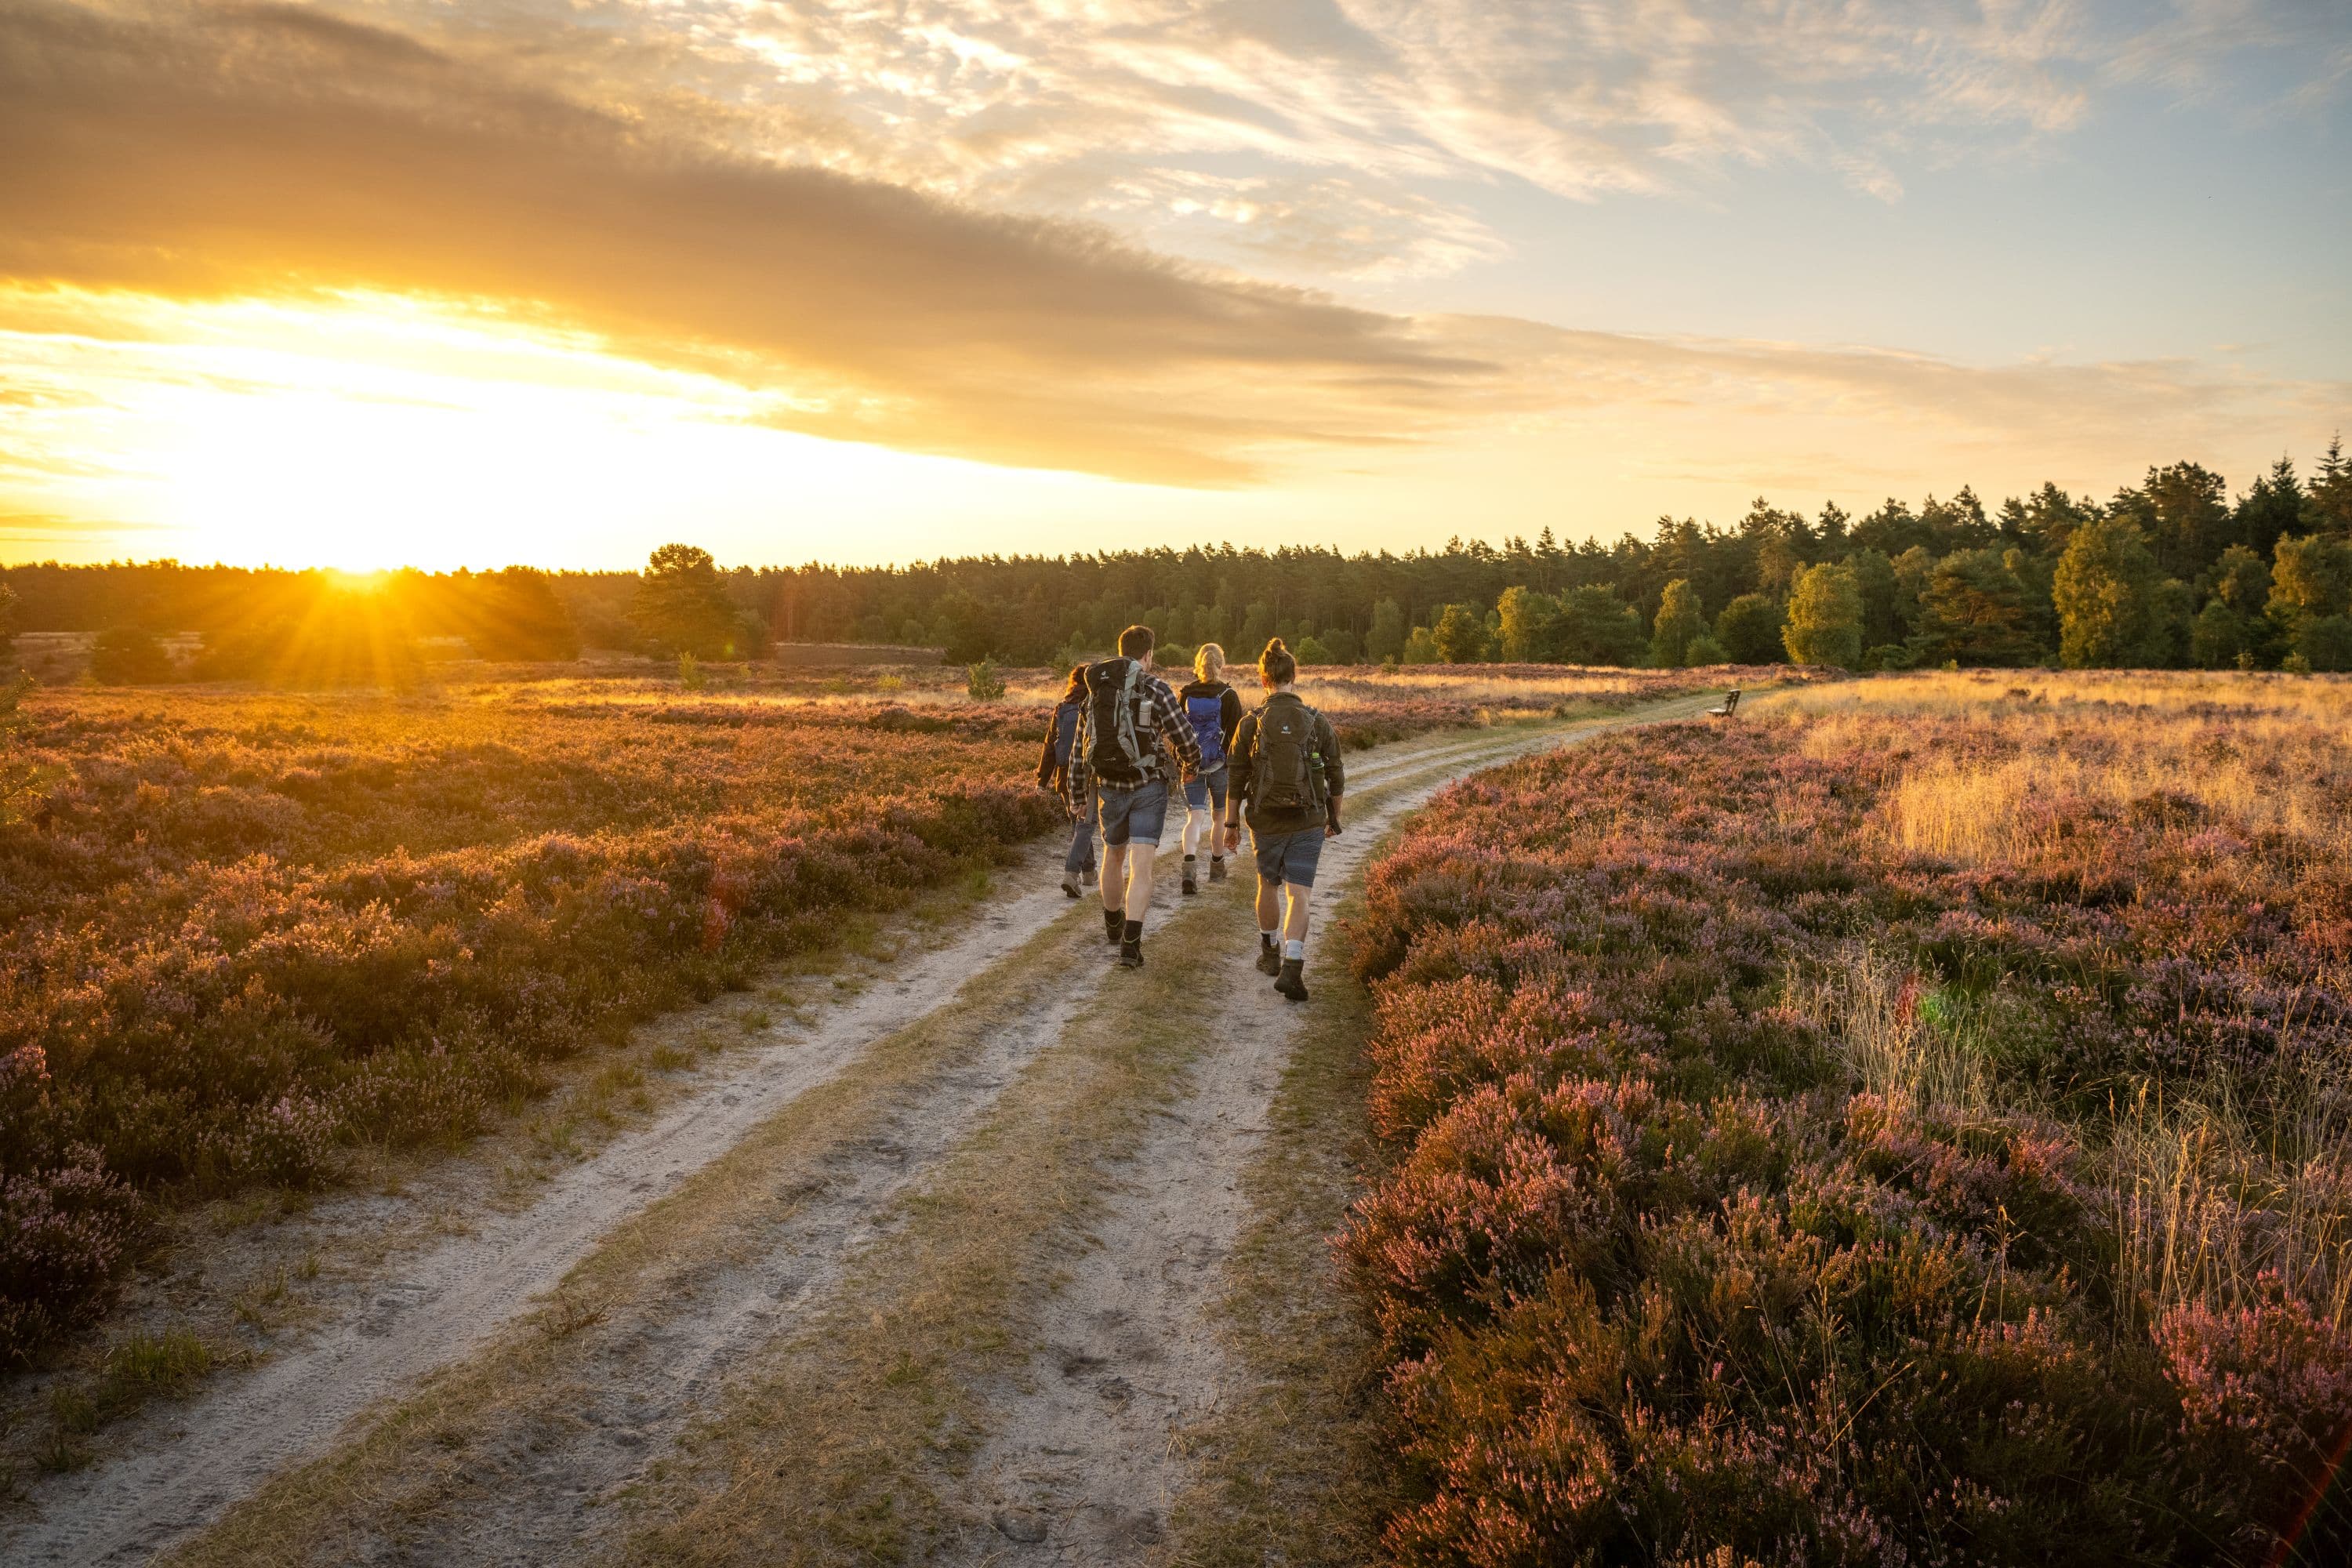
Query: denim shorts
{"x": 1199, "y": 792}
{"x": 1132, "y": 815}
{"x": 1289, "y": 857}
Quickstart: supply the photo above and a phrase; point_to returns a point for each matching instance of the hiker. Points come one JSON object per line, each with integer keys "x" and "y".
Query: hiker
{"x": 1128, "y": 724}
{"x": 1287, "y": 774}
{"x": 1215, "y": 710}
{"x": 1052, "y": 769}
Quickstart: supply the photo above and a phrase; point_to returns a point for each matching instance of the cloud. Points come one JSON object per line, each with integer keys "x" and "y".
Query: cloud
{"x": 2079, "y": 414}
{"x": 233, "y": 153}
{"x": 1038, "y": 107}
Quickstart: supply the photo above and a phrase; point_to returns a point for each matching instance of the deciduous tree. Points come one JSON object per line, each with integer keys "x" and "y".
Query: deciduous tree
{"x": 2107, "y": 592}
{"x": 1530, "y": 625}
{"x": 1679, "y": 619}
{"x": 1824, "y": 619}
{"x": 1749, "y": 630}
{"x": 2313, "y": 578}
{"x": 1461, "y": 635}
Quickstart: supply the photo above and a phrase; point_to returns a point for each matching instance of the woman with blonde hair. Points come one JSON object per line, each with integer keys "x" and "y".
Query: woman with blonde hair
{"x": 1215, "y": 709}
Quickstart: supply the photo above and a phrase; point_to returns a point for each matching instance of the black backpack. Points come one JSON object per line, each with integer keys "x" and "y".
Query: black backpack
{"x": 1114, "y": 698}
{"x": 1289, "y": 773}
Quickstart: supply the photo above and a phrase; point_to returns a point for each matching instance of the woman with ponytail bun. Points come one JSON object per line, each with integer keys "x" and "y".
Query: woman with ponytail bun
{"x": 1286, "y": 777}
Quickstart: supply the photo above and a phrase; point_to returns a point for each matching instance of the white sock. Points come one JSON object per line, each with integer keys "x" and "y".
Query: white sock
{"x": 1294, "y": 950}
{"x": 1265, "y": 939}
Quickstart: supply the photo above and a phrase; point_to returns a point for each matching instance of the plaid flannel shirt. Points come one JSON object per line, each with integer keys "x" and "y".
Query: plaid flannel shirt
{"x": 1170, "y": 738}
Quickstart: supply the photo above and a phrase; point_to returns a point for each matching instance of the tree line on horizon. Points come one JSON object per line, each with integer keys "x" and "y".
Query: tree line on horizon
{"x": 2172, "y": 572}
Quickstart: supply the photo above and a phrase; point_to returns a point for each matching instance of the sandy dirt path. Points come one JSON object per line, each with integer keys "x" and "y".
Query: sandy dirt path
{"x": 1090, "y": 1449}
{"x": 1145, "y": 1286}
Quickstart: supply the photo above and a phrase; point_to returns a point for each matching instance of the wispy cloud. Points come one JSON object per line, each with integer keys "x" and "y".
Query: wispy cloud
{"x": 1044, "y": 107}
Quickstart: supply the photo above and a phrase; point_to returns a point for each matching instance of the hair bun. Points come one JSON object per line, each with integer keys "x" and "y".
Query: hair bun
{"x": 1274, "y": 646}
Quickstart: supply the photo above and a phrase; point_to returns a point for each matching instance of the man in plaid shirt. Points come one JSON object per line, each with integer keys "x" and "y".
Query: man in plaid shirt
{"x": 1132, "y": 810}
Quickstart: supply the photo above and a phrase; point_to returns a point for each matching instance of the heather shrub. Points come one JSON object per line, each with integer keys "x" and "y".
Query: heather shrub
{"x": 256, "y": 931}
{"x": 66, "y": 1232}
{"x": 1795, "y": 1162}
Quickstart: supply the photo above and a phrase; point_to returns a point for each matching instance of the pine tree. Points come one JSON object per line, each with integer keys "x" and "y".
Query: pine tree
{"x": 1976, "y": 612}
{"x": 2270, "y": 510}
{"x": 2328, "y": 503}
{"x": 682, "y": 606}
{"x": 1598, "y": 627}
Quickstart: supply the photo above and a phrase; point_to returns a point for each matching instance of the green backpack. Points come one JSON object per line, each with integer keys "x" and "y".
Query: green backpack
{"x": 1289, "y": 773}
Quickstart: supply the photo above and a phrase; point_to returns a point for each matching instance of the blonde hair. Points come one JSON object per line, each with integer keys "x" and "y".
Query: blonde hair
{"x": 1209, "y": 661}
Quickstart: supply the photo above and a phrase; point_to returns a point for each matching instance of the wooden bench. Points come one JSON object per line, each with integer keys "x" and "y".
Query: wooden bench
{"x": 1730, "y": 706}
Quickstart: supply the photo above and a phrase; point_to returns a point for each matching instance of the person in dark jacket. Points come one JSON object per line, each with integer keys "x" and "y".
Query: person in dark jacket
{"x": 1052, "y": 774}
{"x": 1215, "y": 709}
{"x": 1287, "y": 776}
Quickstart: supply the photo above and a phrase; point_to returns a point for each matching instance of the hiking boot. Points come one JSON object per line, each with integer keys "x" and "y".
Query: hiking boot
{"x": 1070, "y": 885}
{"x": 1217, "y": 869}
{"x": 1290, "y": 982}
{"x": 1114, "y": 924}
{"x": 1088, "y": 876}
{"x": 1269, "y": 960}
{"x": 1131, "y": 954}
{"x": 1190, "y": 884}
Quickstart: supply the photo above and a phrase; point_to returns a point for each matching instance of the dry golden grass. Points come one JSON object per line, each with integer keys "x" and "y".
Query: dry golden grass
{"x": 2205, "y": 1195}
{"x": 2251, "y": 748}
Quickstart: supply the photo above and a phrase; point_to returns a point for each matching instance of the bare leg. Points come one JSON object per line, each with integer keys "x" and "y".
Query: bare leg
{"x": 1293, "y": 910}
{"x": 1197, "y": 826}
{"x": 1269, "y": 905}
{"x": 1138, "y": 880}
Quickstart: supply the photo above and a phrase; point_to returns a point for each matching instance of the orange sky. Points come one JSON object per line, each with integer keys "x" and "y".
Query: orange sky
{"x": 370, "y": 284}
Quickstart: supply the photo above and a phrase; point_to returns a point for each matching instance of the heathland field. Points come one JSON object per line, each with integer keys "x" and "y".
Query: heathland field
{"x": 572, "y": 1118}
{"x": 248, "y": 934}
{"x": 1914, "y": 1125}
